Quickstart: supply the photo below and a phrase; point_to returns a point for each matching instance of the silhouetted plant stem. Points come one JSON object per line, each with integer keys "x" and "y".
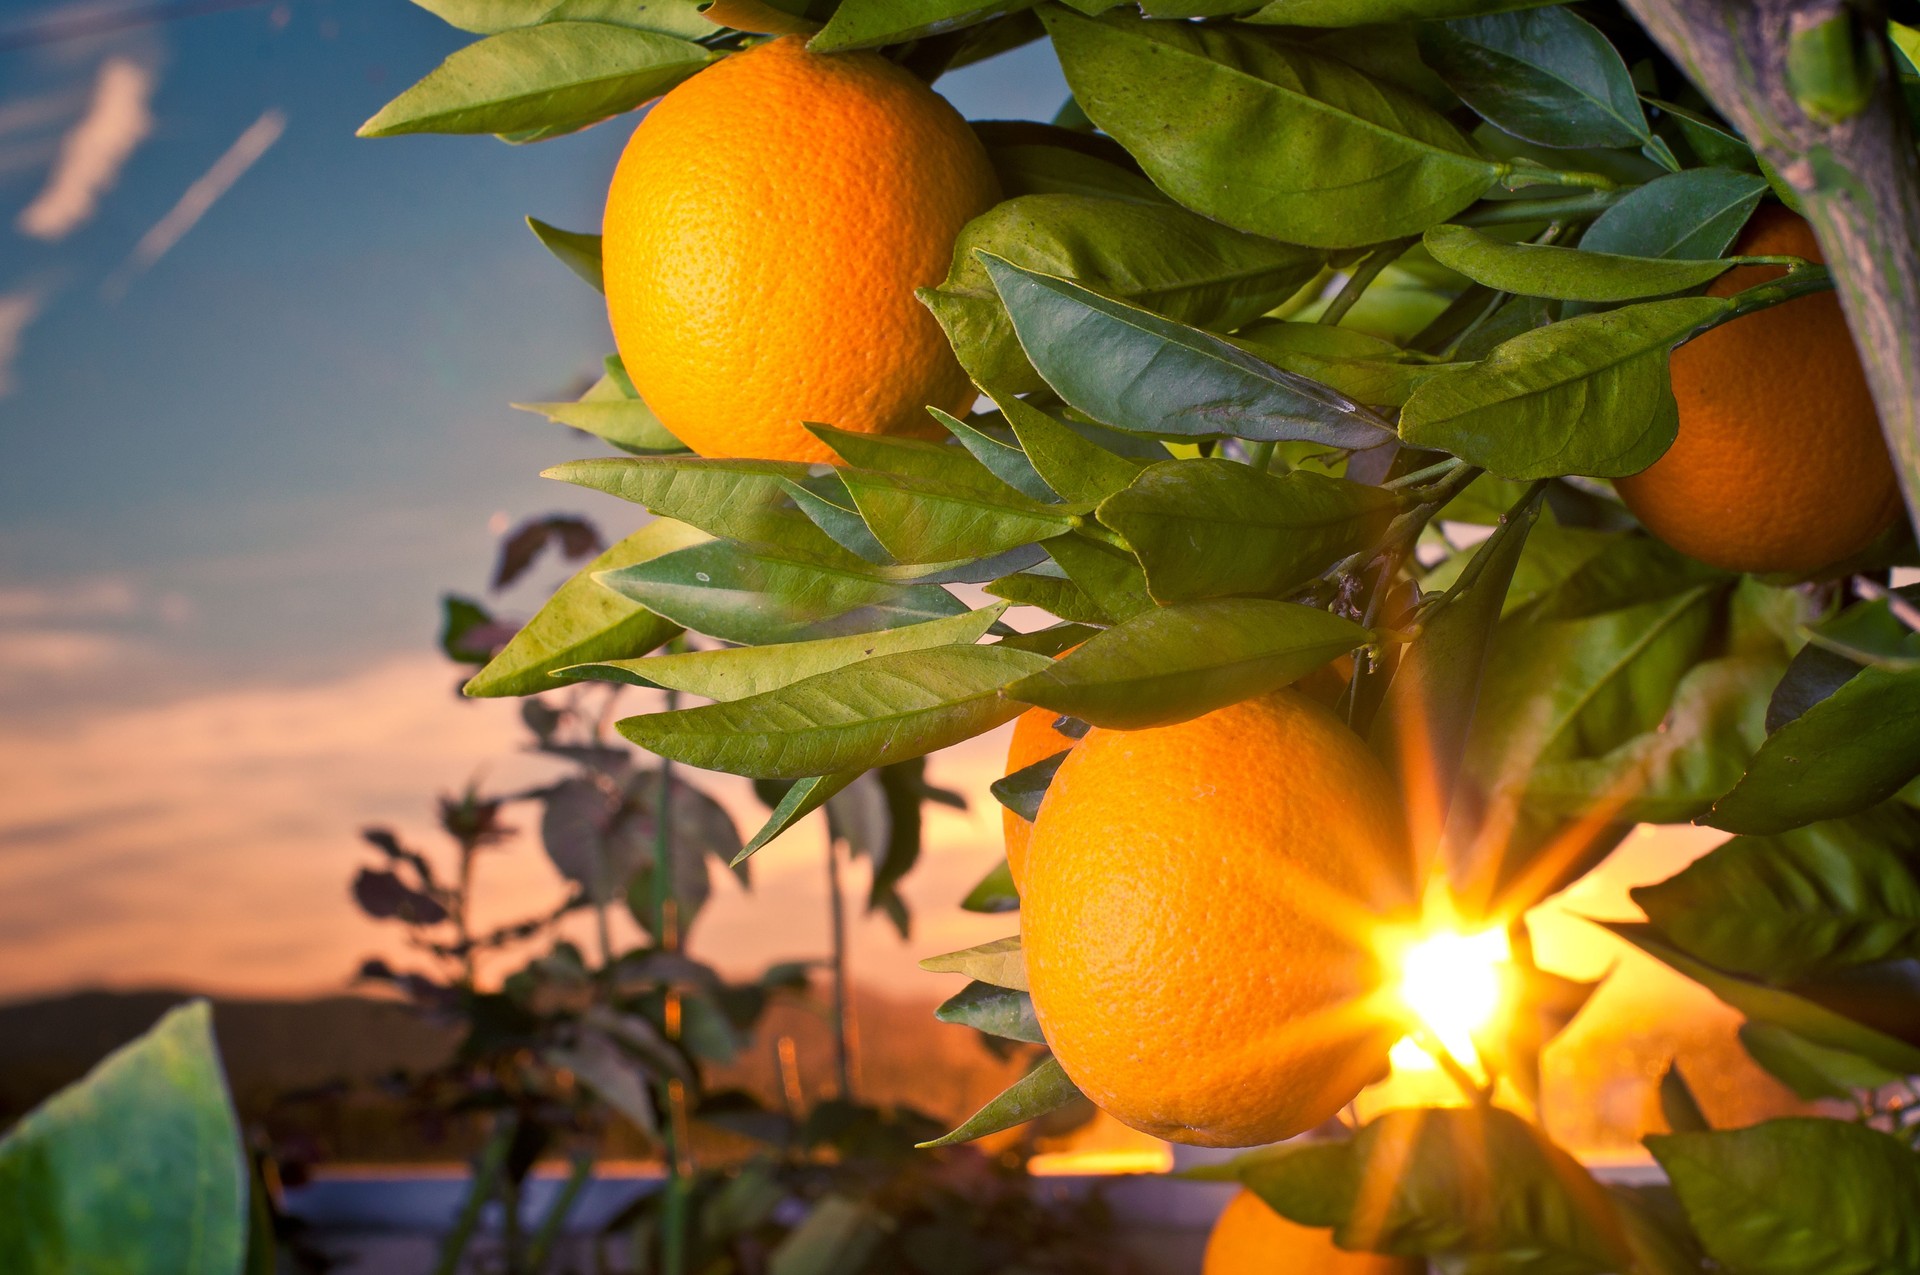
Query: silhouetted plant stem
{"x": 837, "y": 915}
{"x": 486, "y": 1176}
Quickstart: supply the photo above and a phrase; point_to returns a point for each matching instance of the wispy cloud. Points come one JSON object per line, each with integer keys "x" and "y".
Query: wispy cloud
{"x": 98, "y": 598}
{"x": 17, "y": 310}
{"x": 94, "y": 151}
{"x": 199, "y": 197}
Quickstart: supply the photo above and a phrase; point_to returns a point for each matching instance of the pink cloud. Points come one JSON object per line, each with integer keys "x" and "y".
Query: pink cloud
{"x": 93, "y": 152}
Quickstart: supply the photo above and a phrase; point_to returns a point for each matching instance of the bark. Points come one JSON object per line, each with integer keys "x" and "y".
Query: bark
{"x": 1857, "y": 177}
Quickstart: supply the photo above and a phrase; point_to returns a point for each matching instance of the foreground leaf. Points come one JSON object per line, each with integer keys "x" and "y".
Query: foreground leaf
{"x": 920, "y": 520}
{"x": 1044, "y": 1089}
{"x": 740, "y": 500}
{"x": 1564, "y": 274}
{"x": 1207, "y": 528}
{"x": 1545, "y": 75}
{"x": 1812, "y": 1071}
{"x": 1347, "y": 13}
{"x": 1364, "y": 368}
{"x": 1133, "y": 370}
{"x": 585, "y": 620}
{"x": 627, "y": 423}
{"x": 1343, "y": 160}
{"x": 886, "y": 709}
{"x": 559, "y": 75}
{"x": 868, "y": 24}
{"x": 1791, "y": 1196}
{"x": 801, "y": 800}
{"x": 577, "y": 252}
{"x": 1174, "y": 663}
{"x": 136, "y": 1168}
{"x": 738, "y": 672}
{"x": 490, "y": 17}
{"x": 1692, "y": 215}
{"x": 999, "y": 963}
{"x": 997, "y": 1011}
{"x": 1587, "y": 395}
{"x": 738, "y": 596}
{"x": 1070, "y": 463}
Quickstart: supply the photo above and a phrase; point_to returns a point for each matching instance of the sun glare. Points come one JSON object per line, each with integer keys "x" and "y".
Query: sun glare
{"x": 1452, "y": 984}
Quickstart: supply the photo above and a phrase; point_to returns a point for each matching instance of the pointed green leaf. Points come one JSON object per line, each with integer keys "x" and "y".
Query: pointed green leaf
{"x": 1109, "y": 575}
{"x": 924, "y": 520}
{"x": 1343, "y": 160}
{"x": 802, "y": 799}
{"x": 995, "y": 893}
{"x": 1151, "y": 254}
{"x": 914, "y": 457}
{"x": 1692, "y": 215}
{"x": 1000, "y": 454}
{"x": 741, "y": 500}
{"x": 1073, "y": 465}
{"x": 735, "y": 595}
{"x": 1056, "y": 595}
{"x": 1044, "y": 1089}
{"x": 1545, "y": 75}
{"x": 824, "y": 499}
{"x": 1131, "y": 369}
{"x": 1000, "y": 963}
{"x": 585, "y": 620}
{"x": 1024, "y": 789}
{"x": 1350, "y": 13}
{"x": 577, "y": 252}
{"x": 1587, "y": 395}
{"x": 138, "y": 1167}
{"x": 627, "y": 423}
{"x": 1207, "y": 528}
{"x": 886, "y": 709}
{"x": 1812, "y": 1071}
{"x": 997, "y": 1011}
{"x": 1364, "y": 368}
{"x": 868, "y": 24}
{"x": 738, "y": 672}
{"x": 490, "y": 17}
{"x": 1175, "y": 663}
{"x": 1564, "y": 274}
{"x": 1791, "y": 1196}
{"x": 559, "y": 75}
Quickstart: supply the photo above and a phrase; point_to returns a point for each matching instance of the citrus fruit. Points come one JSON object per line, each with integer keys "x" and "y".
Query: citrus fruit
{"x": 766, "y": 228}
{"x": 1779, "y": 464}
{"x": 1251, "y": 1239}
{"x": 1034, "y": 739}
{"x": 1197, "y": 918}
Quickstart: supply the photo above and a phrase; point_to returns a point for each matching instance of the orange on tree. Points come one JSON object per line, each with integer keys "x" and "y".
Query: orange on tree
{"x": 1197, "y": 915}
{"x": 1251, "y": 1239}
{"x": 1779, "y": 464}
{"x": 765, "y": 231}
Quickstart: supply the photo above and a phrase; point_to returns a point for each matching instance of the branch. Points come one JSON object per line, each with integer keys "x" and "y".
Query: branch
{"x": 1811, "y": 83}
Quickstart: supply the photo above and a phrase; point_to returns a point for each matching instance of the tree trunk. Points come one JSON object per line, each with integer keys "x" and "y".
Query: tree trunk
{"x": 1836, "y": 130}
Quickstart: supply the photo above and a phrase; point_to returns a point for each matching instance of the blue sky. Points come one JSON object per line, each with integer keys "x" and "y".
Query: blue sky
{"x": 262, "y": 456}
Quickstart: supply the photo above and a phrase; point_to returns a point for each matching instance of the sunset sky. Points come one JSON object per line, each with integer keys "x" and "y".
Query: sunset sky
{"x": 253, "y": 387}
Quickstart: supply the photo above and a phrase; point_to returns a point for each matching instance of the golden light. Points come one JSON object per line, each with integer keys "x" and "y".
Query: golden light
{"x": 1452, "y": 983}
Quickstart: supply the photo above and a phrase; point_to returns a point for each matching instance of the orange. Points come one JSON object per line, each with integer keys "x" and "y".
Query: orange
{"x": 765, "y": 231}
{"x": 1034, "y": 739}
{"x": 1251, "y": 1239}
{"x": 1198, "y": 916}
{"x": 1779, "y": 464}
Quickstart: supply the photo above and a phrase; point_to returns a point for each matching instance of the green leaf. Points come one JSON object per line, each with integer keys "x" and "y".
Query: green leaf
{"x": 802, "y": 799}
{"x": 737, "y": 596}
{"x": 1429, "y": 706}
{"x": 1030, "y": 166}
{"x": 1005, "y": 459}
{"x": 1349, "y": 13}
{"x": 586, "y": 621}
{"x": 1108, "y": 575}
{"x": 1712, "y": 141}
{"x": 1564, "y": 274}
{"x": 1678, "y": 1105}
{"x": 1545, "y": 75}
{"x": 1588, "y": 395}
{"x": 136, "y": 1168}
{"x": 738, "y": 672}
{"x": 1044, "y": 1089}
{"x": 465, "y": 628}
{"x": 1811, "y": 1071}
{"x": 1692, "y": 215}
{"x": 1054, "y": 594}
{"x": 882, "y": 710}
{"x": 999, "y": 963}
{"x": 995, "y": 892}
{"x": 1364, "y": 368}
{"x": 913, "y": 457}
{"x": 1066, "y": 460}
{"x": 920, "y": 520}
{"x": 868, "y": 24}
{"x": 1792, "y": 1196}
{"x": 558, "y": 76}
{"x": 1627, "y": 571}
{"x": 1852, "y": 750}
{"x": 1782, "y": 908}
{"x": 1783, "y": 1007}
{"x": 1024, "y": 789}
{"x": 1207, "y": 528}
{"x": 1342, "y": 160}
{"x": 1477, "y": 1188}
{"x": 997, "y": 1011}
{"x": 825, "y": 501}
{"x": 1152, "y": 254}
{"x": 490, "y": 17}
{"x": 740, "y": 500}
{"x": 577, "y": 252}
{"x": 627, "y": 423}
{"x": 1174, "y": 663}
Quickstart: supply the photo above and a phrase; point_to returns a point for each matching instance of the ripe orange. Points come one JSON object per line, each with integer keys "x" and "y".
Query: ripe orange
{"x": 1197, "y": 915}
{"x": 1251, "y": 1239}
{"x": 764, "y": 234}
{"x": 1779, "y": 464}
{"x": 1034, "y": 739}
